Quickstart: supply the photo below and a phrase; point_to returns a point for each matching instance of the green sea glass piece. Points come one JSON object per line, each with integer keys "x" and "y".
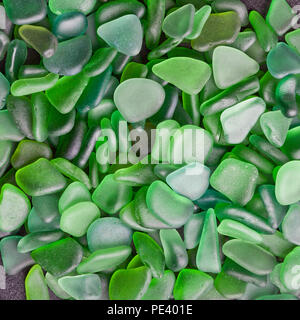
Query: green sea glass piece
{"x": 276, "y": 212}
{"x": 191, "y": 284}
{"x": 143, "y": 215}
{"x": 190, "y": 181}
{"x": 265, "y": 35}
{"x": 74, "y": 193}
{"x": 32, "y": 71}
{"x": 155, "y": 16}
{"x": 134, "y": 70}
{"x": 13, "y": 261}
{"x": 104, "y": 110}
{"x": 111, "y": 195}
{"x": 112, "y": 10}
{"x": 35, "y": 240}
{"x": 275, "y": 127}
{"x": 238, "y": 272}
{"x": 94, "y": 91}
{"x": 25, "y": 12}
{"x": 40, "y": 178}
{"x": 125, "y": 34}
{"x": 237, "y": 121}
{"x": 161, "y": 288}
{"x": 128, "y": 216}
{"x": 229, "y": 286}
{"x": 168, "y": 45}
{"x": 52, "y": 283}
{"x": 235, "y": 229}
{"x": 268, "y": 150}
{"x": 64, "y": 62}
{"x": 208, "y": 253}
{"x": 29, "y": 151}
{"x": 230, "y": 66}
{"x": 174, "y": 249}
{"x": 75, "y": 86}
{"x": 290, "y": 224}
{"x": 138, "y": 99}
{"x": 244, "y": 41}
{"x": 82, "y": 287}
{"x": 200, "y": 19}
{"x": 15, "y": 58}
{"x": 71, "y": 171}
{"x": 14, "y": 208}
{"x": 290, "y": 270}
{"x": 267, "y": 89}
{"x": 6, "y": 150}
{"x": 280, "y": 16}
{"x": 104, "y": 259}
{"x": 4, "y": 43}
{"x": 179, "y": 23}
{"x": 35, "y": 284}
{"x": 60, "y": 257}
{"x": 287, "y": 187}
{"x": 232, "y": 5}
{"x": 242, "y": 215}
{"x": 59, "y": 7}
{"x": 8, "y": 128}
{"x": 193, "y": 229}
{"x": 168, "y": 206}
{"x": 108, "y": 232}
{"x": 236, "y": 180}
{"x": 40, "y": 110}
{"x": 129, "y": 284}
{"x": 40, "y": 39}
{"x": 4, "y": 17}
{"x": 283, "y": 60}
{"x": 36, "y": 224}
{"x": 100, "y": 61}
{"x": 136, "y": 175}
{"x": 276, "y": 244}
{"x": 46, "y": 207}
{"x": 150, "y": 253}
{"x": 292, "y": 38}
{"x": 220, "y": 29}
{"x": 69, "y": 25}
{"x": 286, "y": 96}
{"x": 21, "y": 111}
{"x": 73, "y": 222}
{"x": 250, "y": 256}
{"x": 135, "y": 262}
{"x": 29, "y": 86}
{"x": 290, "y": 147}
{"x": 5, "y": 87}
{"x": 248, "y": 155}
{"x": 187, "y": 74}
{"x": 210, "y": 199}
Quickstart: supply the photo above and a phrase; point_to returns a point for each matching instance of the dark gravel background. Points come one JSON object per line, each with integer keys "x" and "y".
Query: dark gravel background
{"x": 15, "y": 284}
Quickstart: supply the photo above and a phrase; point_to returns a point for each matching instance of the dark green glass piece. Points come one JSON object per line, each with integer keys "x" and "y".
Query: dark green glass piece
{"x": 60, "y": 257}
{"x": 69, "y": 25}
{"x": 15, "y": 58}
{"x": 64, "y": 61}
{"x": 40, "y": 178}
{"x": 25, "y": 12}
